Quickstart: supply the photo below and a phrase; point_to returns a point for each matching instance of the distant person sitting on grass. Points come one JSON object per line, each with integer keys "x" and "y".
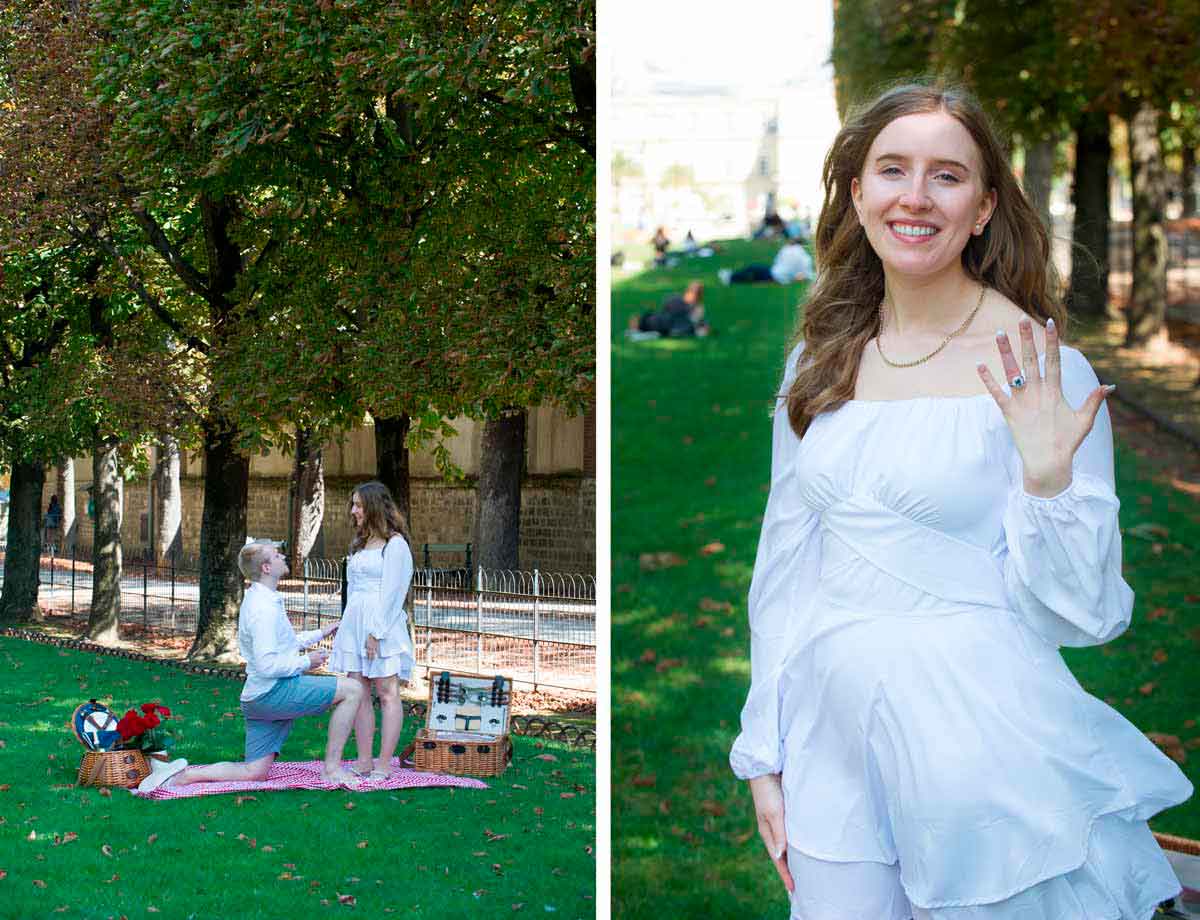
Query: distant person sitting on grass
{"x": 661, "y": 243}
{"x": 277, "y": 691}
{"x": 792, "y": 263}
{"x": 681, "y": 316}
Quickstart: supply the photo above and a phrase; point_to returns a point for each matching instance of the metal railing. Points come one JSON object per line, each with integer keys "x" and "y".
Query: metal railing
{"x": 539, "y": 628}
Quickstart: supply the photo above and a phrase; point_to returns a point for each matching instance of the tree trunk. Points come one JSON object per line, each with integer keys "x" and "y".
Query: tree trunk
{"x": 107, "y": 563}
{"x": 222, "y": 536}
{"x": 501, "y": 465}
{"x": 307, "y": 498}
{"x": 226, "y": 468}
{"x": 18, "y": 600}
{"x": 1188, "y": 179}
{"x": 391, "y": 460}
{"x": 1039, "y": 171}
{"x": 167, "y": 537}
{"x": 1088, "y": 291}
{"x": 1147, "y": 311}
{"x": 66, "y": 499}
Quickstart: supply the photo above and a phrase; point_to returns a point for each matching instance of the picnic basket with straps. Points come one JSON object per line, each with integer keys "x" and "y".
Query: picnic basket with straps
{"x": 467, "y": 731}
{"x": 93, "y": 722}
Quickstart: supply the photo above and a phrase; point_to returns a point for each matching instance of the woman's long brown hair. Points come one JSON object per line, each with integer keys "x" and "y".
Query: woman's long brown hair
{"x": 381, "y": 517}
{"x": 842, "y": 313}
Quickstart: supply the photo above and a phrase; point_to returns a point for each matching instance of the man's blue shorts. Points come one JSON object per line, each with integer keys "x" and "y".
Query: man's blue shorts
{"x": 269, "y": 717}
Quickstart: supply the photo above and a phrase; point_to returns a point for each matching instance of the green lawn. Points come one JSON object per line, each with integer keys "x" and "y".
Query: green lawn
{"x": 691, "y": 457}
{"x": 524, "y": 845}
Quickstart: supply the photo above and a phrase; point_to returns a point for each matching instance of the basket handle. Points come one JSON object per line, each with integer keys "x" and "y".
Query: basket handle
{"x": 94, "y": 772}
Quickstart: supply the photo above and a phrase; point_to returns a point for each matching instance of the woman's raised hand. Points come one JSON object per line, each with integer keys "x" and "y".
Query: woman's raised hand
{"x": 1047, "y": 431}
{"x": 768, "y": 807}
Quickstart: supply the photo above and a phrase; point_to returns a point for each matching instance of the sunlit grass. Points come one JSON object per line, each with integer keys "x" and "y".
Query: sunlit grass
{"x": 528, "y": 839}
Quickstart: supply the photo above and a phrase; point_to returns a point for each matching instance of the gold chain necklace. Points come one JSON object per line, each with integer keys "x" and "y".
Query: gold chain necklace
{"x": 965, "y": 324}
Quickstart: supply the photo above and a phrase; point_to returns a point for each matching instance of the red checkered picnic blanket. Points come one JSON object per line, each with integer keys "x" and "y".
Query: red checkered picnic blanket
{"x": 306, "y": 775}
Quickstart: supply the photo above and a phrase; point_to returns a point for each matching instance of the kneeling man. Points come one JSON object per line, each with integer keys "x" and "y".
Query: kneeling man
{"x": 277, "y": 690}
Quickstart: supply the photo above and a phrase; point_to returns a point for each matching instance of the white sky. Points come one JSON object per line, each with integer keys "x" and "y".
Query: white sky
{"x": 750, "y": 43}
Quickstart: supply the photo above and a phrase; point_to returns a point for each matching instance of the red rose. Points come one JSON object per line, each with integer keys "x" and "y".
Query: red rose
{"x": 164, "y": 712}
{"x": 149, "y": 707}
{"x": 131, "y": 725}
{"x": 150, "y": 720}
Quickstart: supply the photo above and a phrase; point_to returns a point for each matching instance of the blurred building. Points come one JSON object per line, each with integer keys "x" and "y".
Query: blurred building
{"x": 712, "y": 158}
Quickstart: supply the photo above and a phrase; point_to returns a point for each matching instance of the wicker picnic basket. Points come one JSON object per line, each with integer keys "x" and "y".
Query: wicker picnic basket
{"x": 113, "y": 768}
{"x": 449, "y": 743}
{"x": 93, "y": 722}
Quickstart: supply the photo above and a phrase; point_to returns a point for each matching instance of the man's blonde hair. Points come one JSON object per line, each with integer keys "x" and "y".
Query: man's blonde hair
{"x": 252, "y": 557}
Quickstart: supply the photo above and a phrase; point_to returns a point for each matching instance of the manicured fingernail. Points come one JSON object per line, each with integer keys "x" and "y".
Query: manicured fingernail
{"x": 1110, "y": 387}
{"x": 778, "y": 852}
{"x": 1000, "y": 333}
{"x": 1050, "y": 325}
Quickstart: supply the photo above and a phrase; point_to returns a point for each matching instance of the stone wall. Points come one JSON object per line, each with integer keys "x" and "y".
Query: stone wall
{"x": 558, "y": 517}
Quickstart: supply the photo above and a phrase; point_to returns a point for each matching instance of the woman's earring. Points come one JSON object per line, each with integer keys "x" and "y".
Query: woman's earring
{"x": 978, "y": 229}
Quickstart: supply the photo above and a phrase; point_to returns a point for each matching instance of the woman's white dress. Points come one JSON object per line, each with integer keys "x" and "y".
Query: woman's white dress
{"x": 377, "y": 584}
{"x": 906, "y": 609}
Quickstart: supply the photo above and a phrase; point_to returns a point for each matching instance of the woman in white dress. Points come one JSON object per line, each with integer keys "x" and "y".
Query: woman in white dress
{"x": 942, "y": 518}
{"x": 373, "y": 644}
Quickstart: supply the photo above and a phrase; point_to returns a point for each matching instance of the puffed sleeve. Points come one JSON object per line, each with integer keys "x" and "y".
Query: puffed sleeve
{"x": 786, "y": 570}
{"x": 1063, "y": 567}
{"x": 386, "y": 619}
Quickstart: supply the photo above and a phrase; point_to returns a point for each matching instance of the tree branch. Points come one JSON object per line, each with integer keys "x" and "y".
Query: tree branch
{"x": 156, "y": 307}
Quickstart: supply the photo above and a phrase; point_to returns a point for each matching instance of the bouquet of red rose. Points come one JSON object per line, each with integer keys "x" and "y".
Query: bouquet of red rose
{"x": 143, "y": 731}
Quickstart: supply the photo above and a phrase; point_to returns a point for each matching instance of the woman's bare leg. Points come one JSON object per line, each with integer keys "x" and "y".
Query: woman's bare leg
{"x": 346, "y": 702}
{"x": 364, "y": 726}
{"x": 391, "y": 706}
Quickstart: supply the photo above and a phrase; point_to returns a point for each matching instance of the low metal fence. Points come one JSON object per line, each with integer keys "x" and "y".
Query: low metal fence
{"x": 539, "y": 628}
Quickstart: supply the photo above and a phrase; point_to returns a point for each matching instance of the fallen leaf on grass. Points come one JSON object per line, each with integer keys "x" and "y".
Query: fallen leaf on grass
{"x": 709, "y": 807}
{"x": 347, "y": 899}
{"x": 709, "y": 605}
{"x": 1147, "y": 688}
{"x": 105, "y": 792}
{"x": 667, "y": 663}
{"x": 244, "y": 798}
{"x": 152, "y": 838}
{"x": 362, "y": 844}
{"x": 1159, "y": 656}
{"x": 710, "y": 481}
{"x": 1156, "y": 613}
{"x": 38, "y": 883}
{"x": 3, "y": 874}
{"x": 549, "y": 758}
{"x": 644, "y": 781}
{"x": 652, "y": 562}
{"x": 1169, "y": 745}
{"x": 712, "y": 549}
{"x": 727, "y": 631}
{"x": 648, "y": 656}
{"x": 349, "y": 806}
{"x": 566, "y": 795}
{"x": 1149, "y": 531}
{"x": 492, "y": 835}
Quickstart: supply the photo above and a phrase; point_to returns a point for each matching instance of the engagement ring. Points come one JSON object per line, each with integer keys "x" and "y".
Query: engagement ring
{"x": 1017, "y": 382}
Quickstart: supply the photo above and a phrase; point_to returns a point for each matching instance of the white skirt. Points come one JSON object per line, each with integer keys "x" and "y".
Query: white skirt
{"x": 349, "y": 647}
{"x": 1124, "y": 877}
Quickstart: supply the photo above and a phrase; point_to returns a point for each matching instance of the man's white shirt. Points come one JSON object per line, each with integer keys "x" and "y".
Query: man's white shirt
{"x": 272, "y": 648}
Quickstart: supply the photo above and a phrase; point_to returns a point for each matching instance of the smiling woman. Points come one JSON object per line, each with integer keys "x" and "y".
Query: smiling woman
{"x": 915, "y": 746}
